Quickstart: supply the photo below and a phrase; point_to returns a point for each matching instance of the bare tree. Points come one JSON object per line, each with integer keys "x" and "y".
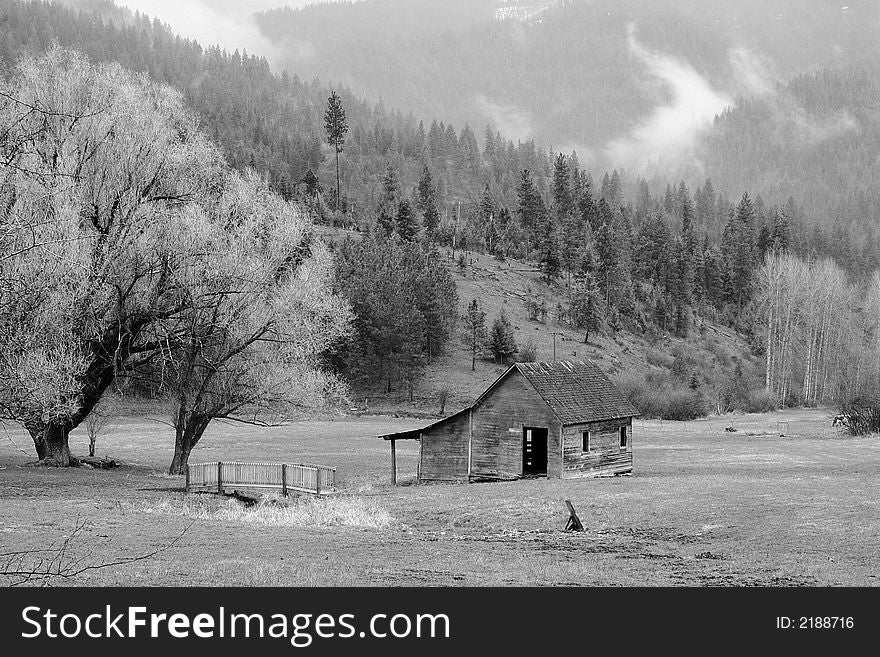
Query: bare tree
{"x": 818, "y": 339}
{"x": 254, "y": 352}
{"x": 101, "y": 419}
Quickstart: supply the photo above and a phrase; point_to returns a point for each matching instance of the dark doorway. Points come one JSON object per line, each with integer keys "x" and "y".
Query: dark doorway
{"x": 534, "y": 451}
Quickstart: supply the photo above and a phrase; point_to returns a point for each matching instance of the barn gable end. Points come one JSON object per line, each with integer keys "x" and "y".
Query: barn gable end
{"x": 498, "y": 421}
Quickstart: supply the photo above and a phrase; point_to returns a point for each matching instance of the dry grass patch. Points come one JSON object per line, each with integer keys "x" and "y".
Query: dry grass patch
{"x": 277, "y": 512}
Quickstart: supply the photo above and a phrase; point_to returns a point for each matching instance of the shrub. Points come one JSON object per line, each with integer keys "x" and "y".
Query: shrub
{"x": 861, "y": 415}
{"x": 528, "y": 351}
{"x": 681, "y": 404}
{"x": 662, "y": 397}
{"x": 761, "y": 400}
{"x": 639, "y": 393}
{"x": 659, "y": 358}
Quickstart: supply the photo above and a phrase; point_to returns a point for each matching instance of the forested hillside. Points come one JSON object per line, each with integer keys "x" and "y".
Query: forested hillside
{"x": 817, "y": 137}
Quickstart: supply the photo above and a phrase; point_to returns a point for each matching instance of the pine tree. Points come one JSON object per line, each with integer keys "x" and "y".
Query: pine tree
{"x": 781, "y": 231}
{"x": 502, "y": 341}
{"x": 585, "y": 305}
{"x": 489, "y": 151}
{"x": 615, "y": 190}
{"x": 549, "y": 258}
{"x": 529, "y": 208}
{"x": 682, "y": 294}
{"x": 562, "y": 201}
{"x": 486, "y": 215}
{"x": 336, "y": 128}
{"x": 389, "y": 202}
{"x": 738, "y": 253}
{"x": 474, "y": 334}
{"x": 405, "y": 222}
{"x": 427, "y": 204}
{"x": 606, "y": 252}
{"x": 643, "y": 200}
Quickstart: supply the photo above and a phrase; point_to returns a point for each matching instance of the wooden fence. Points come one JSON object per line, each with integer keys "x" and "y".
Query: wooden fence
{"x": 284, "y": 477}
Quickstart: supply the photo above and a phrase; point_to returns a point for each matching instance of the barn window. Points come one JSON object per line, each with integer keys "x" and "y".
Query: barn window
{"x": 585, "y": 441}
{"x": 622, "y": 437}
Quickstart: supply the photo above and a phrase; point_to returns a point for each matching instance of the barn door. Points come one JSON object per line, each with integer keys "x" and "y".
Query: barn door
{"x": 534, "y": 451}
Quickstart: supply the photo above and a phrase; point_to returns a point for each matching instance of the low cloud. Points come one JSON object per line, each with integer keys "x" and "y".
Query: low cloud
{"x": 669, "y": 133}
{"x": 754, "y": 74}
{"x": 755, "y": 77}
{"x": 511, "y": 121}
{"x": 227, "y": 23}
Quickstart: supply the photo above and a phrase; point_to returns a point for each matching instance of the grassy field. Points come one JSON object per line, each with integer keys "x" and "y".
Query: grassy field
{"x": 703, "y": 507}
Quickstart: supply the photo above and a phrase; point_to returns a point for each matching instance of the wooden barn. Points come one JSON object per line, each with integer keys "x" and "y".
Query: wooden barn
{"x": 561, "y": 420}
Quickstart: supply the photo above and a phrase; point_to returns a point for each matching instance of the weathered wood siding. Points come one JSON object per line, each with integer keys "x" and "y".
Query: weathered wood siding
{"x": 444, "y": 451}
{"x": 605, "y": 455}
{"x": 497, "y": 452}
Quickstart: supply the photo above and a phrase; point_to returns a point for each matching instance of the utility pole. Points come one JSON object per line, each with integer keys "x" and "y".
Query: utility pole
{"x": 554, "y": 334}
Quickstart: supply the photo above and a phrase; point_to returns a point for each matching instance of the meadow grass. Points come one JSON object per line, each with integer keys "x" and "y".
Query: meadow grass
{"x": 704, "y": 506}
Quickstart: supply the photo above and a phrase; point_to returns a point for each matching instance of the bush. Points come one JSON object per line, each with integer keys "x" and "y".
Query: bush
{"x": 861, "y": 415}
{"x": 639, "y": 393}
{"x": 528, "y": 352}
{"x": 761, "y": 400}
{"x": 682, "y": 405}
{"x": 667, "y": 400}
{"x": 659, "y": 359}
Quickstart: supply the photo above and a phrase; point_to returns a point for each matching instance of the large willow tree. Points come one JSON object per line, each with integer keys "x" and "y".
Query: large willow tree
{"x": 116, "y": 223}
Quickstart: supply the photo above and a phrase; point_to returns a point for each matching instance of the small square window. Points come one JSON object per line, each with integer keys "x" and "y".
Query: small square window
{"x": 622, "y": 437}
{"x": 585, "y": 441}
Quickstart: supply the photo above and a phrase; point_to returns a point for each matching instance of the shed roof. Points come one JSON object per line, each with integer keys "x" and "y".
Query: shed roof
{"x": 576, "y": 391}
{"x": 415, "y": 434}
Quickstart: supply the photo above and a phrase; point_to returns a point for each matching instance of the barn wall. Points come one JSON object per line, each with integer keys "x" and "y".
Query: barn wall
{"x": 444, "y": 451}
{"x": 512, "y": 404}
{"x": 605, "y": 455}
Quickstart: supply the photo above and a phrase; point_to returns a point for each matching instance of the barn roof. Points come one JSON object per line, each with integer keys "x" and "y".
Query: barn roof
{"x": 576, "y": 391}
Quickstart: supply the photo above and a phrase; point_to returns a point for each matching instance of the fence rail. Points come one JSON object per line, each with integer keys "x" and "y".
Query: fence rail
{"x": 299, "y": 477}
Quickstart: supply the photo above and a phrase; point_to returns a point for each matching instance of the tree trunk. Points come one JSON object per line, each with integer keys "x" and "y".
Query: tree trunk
{"x": 52, "y": 446}
{"x": 188, "y": 432}
{"x": 337, "y": 177}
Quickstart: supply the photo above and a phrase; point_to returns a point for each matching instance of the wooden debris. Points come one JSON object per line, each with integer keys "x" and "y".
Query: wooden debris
{"x": 574, "y": 523}
{"x": 102, "y": 463}
{"x": 244, "y": 498}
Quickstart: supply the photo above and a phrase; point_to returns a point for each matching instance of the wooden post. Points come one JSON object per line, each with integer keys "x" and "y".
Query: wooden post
{"x": 187, "y": 478}
{"x": 219, "y": 476}
{"x": 393, "y": 464}
{"x": 284, "y": 479}
{"x": 318, "y": 481}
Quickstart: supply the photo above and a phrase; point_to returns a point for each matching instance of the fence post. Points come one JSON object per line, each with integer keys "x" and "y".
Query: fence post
{"x": 284, "y": 479}
{"x": 187, "y": 477}
{"x": 318, "y": 481}
{"x": 219, "y": 476}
